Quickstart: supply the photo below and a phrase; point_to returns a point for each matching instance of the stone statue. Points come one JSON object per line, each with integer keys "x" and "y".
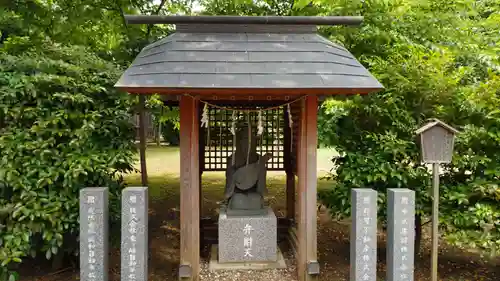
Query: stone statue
{"x": 246, "y": 176}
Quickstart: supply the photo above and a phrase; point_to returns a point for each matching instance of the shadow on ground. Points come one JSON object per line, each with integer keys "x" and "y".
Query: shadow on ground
{"x": 333, "y": 239}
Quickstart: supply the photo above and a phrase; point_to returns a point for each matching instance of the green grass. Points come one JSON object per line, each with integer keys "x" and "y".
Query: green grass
{"x": 164, "y": 188}
{"x": 166, "y": 160}
{"x": 163, "y": 166}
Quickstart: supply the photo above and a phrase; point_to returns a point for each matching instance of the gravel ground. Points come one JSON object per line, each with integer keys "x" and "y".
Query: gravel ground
{"x": 288, "y": 274}
{"x": 333, "y": 247}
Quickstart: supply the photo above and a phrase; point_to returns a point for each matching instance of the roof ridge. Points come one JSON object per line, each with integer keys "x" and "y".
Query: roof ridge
{"x": 243, "y": 28}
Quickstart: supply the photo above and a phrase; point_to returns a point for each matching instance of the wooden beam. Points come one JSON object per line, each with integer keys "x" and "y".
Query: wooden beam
{"x": 142, "y": 139}
{"x": 245, "y": 20}
{"x": 254, "y": 92}
{"x": 190, "y": 216}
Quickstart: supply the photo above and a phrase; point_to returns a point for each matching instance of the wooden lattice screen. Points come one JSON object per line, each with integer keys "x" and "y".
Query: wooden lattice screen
{"x": 218, "y": 140}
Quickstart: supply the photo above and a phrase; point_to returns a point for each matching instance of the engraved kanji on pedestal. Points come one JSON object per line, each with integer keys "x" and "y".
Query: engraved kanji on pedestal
{"x": 247, "y": 238}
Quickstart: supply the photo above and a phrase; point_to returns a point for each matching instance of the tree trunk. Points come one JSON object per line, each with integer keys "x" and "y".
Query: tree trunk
{"x": 158, "y": 133}
{"x": 418, "y": 234}
{"x": 58, "y": 260}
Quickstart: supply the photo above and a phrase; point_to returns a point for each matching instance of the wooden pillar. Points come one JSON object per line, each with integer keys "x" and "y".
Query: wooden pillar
{"x": 311, "y": 183}
{"x": 142, "y": 139}
{"x": 290, "y": 176}
{"x": 190, "y": 180}
{"x": 307, "y": 234}
{"x": 301, "y": 170}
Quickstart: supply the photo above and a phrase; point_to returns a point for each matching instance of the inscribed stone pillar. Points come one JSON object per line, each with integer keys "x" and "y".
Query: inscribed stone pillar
{"x": 363, "y": 235}
{"x": 94, "y": 234}
{"x": 134, "y": 239}
{"x": 400, "y": 234}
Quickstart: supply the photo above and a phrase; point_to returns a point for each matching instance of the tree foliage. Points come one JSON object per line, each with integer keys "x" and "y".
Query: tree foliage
{"x": 97, "y": 24}
{"x": 471, "y": 192}
{"x": 63, "y": 128}
{"x": 433, "y": 57}
{"x": 436, "y": 59}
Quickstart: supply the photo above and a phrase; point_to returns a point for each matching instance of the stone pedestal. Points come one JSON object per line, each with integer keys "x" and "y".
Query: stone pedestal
{"x": 247, "y": 238}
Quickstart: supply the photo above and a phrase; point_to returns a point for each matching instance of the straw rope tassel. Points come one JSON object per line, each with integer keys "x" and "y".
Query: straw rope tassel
{"x": 249, "y": 137}
{"x": 205, "y": 122}
{"x": 220, "y": 136}
{"x": 233, "y": 131}
{"x": 277, "y": 135}
{"x": 260, "y": 128}
{"x": 250, "y": 110}
{"x": 290, "y": 124}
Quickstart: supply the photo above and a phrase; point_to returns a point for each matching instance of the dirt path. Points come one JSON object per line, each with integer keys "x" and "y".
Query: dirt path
{"x": 333, "y": 239}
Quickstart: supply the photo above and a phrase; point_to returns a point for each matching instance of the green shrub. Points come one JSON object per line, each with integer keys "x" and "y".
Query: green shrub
{"x": 170, "y": 133}
{"x": 63, "y": 127}
{"x": 375, "y": 136}
{"x": 470, "y": 200}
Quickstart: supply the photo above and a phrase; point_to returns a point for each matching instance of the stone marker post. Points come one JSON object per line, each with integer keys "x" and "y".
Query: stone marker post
{"x": 94, "y": 234}
{"x": 134, "y": 239}
{"x": 363, "y": 235}
{"x": 400, "y": 234}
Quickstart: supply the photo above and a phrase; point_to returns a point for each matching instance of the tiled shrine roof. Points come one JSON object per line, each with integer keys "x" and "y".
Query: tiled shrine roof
{"x": 251, "y": 56}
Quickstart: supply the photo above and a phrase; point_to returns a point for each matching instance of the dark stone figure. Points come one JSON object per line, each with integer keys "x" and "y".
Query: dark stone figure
{"x": 246, "y": 176}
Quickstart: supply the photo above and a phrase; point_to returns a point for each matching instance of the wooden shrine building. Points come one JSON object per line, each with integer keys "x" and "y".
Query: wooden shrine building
{"x": 273, "y": 66}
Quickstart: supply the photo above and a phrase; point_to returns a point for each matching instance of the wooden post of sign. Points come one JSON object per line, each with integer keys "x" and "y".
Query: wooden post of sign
{"x": 142, "y": 140}
{"x": 190, "y": 195}
{"x": 308, "y": 267}
{"x": 435, "y": 222}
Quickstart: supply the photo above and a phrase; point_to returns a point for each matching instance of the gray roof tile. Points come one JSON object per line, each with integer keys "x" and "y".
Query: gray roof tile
{"x": 287, "y": 81}
{"x": 220, "y": 59}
